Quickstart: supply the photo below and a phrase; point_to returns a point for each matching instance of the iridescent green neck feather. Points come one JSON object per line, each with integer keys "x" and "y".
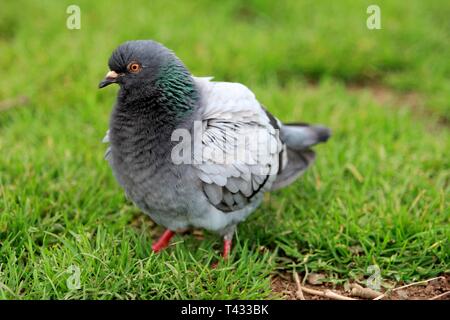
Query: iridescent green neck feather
{"x": 176, "y": 91}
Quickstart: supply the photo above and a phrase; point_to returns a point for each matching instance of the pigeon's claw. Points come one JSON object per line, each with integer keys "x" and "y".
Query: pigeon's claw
{"x": 163, "y": 241}
{"x": 226, "y": 251}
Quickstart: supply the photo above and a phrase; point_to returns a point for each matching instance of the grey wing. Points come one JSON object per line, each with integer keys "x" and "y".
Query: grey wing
{"x": 239, "y": 158}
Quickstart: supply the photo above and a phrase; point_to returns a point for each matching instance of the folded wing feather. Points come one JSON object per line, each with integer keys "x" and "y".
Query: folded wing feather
{"x": 240, "y": 147}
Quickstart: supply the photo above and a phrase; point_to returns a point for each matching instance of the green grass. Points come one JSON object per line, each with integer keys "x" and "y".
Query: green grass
{"x": 378, "y": 193}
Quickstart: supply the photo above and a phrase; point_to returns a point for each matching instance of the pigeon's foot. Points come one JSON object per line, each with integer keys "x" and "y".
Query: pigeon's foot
{"x": 225, "y": 253}
{"x": 163, "y": 241}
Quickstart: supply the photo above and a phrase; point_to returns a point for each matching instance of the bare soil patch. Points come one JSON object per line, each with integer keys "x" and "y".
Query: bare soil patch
{"x": 438, "y": 289}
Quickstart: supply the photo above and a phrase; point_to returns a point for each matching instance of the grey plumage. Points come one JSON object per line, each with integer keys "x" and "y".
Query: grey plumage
{"x": 208, "y": 193}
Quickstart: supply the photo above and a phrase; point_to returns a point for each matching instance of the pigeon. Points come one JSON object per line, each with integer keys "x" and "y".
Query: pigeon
{"x": 193, "y": 153}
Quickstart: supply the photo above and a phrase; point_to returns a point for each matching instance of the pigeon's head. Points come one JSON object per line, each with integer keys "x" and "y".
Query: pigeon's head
{"x": 138, "y": 63}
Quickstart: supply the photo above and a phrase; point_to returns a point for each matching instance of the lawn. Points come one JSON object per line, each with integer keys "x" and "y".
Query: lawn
{"x": 377, "y": 195}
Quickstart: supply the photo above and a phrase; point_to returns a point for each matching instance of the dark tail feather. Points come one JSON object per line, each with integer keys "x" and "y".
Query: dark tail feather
{"x": 301, "y": 136}
{"x": 297, "y": 163}
{"x": 298, "y": 139}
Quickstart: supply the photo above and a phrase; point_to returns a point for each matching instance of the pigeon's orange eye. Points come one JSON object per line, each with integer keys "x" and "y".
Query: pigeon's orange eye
{"x": 134, "y": 67}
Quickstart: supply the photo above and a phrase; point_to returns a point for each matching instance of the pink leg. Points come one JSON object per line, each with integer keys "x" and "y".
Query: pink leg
{"x": 163, "y": 241}
{"x": 225, "y": 253}
{"x": 226, "y": 248}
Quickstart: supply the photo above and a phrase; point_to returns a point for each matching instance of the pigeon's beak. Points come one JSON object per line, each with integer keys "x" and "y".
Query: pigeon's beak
{"x": 111, "y": 77}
